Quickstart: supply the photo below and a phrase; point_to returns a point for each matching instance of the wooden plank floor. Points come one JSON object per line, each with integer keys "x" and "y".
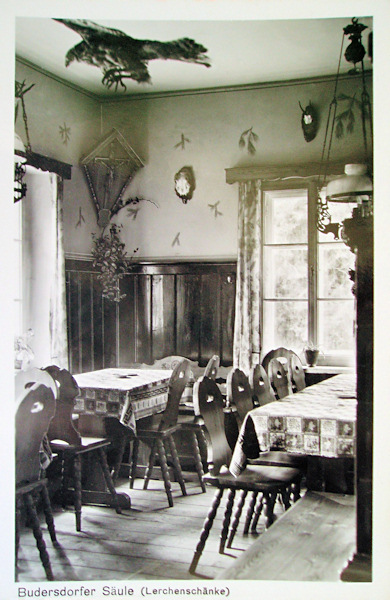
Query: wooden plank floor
{"x": 312, "y": 541}
{"x": 150, "y": 541}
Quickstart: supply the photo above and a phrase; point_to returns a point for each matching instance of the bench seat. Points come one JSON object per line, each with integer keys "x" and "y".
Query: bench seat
{"x": 312, "y": 541}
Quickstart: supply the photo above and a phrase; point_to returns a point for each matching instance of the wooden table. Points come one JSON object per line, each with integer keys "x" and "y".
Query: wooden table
{"x": 126, "y": 394}
{"x": 318, "y": 421}
{"x": 119, "y": 396}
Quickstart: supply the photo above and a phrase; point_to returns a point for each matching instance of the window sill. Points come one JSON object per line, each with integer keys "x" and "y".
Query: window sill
{"x": 328, "y": 370}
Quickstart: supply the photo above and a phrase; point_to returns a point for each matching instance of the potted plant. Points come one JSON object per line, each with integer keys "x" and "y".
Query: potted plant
{"x": 23, "y": 352}
{"x": 311, "y": 352}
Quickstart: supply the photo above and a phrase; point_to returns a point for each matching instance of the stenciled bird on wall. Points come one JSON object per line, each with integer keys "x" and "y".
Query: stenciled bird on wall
{"x": 120, "y": 56}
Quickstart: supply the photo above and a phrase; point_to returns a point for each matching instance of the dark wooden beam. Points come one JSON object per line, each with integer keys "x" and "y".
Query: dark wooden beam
{"x": 45, "y": 163}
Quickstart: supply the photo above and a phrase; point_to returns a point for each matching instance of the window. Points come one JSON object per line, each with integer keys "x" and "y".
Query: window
{"x": 307, "y": 290}
{"x": 17, "y": 251}
{"x": 38, "y": 283}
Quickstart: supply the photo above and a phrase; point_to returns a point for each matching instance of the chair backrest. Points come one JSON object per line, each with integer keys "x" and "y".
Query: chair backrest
{"x": 25, "y": 379}
{"x": 212, "y": 367}
{"x": 61, "y": 426}
{"x": 208, "y": 403}
{"x": 297, "y": 373}
{"x": 34, "y": 410}
{"x": 280, "y": 352}
{"x": 261, "y": 386}
{"x": 239, "y": 393}
{"x": 170, "y": 362}
{"x": 280, "y": 377}
{"x": 179, "y": 379}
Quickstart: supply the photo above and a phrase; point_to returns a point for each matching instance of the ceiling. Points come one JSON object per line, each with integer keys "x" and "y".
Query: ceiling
{"x": 240, "y": 52}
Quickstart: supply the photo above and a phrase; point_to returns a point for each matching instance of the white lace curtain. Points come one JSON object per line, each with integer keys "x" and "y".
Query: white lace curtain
{"x": 58, "y": 322}
{"x": 44, "y": 299}
{"x": 247, "y": 335}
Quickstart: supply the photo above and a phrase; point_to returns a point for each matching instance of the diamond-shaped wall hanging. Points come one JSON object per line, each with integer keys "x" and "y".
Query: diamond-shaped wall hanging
{"x": 109, "y": 168}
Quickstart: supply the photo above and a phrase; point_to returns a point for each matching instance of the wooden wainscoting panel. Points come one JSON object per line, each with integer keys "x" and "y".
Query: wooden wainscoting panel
{"x": 184, "y": 309}
{"x": 163, "y": 314}
{"x": 210, "y": 314}
{"x": 188, "y": 315}
{"x": 228, "y": 298}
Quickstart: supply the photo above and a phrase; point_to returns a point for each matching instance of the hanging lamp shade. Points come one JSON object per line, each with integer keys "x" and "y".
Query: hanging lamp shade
{"x": 355, "y": 182}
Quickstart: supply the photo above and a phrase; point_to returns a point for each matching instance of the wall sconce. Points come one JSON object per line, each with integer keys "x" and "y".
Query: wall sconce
{"x": 355, "y": 186}
{"x": 20, "y": 188}
{"x": 185, "y": 183}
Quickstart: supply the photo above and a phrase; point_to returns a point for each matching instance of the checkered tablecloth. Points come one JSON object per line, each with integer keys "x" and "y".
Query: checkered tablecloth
{"x": 319, "y": 421}
{"x": 128, "y": 394}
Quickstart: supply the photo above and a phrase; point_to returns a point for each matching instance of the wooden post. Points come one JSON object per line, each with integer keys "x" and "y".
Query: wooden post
{"x": 359, "y": 237}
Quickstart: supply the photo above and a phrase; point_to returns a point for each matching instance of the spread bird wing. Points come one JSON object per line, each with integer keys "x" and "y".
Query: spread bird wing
{"x": 87, "y": 28}
{"x": 120, "y": 56}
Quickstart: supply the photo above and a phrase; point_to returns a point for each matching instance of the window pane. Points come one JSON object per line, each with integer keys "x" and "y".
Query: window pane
{"x": 285, "y": 216}
{"x": 338, "y": 212}
{"x": 336, "y": 324}
{"x": 285, "y": 272}
{"x": 17, "y": 250}
{"x": 334, "y": 262}
{"x": 285, "y": 324}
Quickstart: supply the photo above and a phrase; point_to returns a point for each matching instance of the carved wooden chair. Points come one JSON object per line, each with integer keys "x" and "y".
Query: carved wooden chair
{"x": 35, "y": 407}
{"x": 159, "y": 429}
{"x": 239, "y": 393}
{"x": 292, "y": 366}
{"x": 194, "y": 426}
{"x": 268, "y": 481}
{"x": 261, "y": 387}
{"x": 297, "y": 373}
{"x": 280, "y": 352}
{"x": 70, "y": 446}
{"x": 262, "y": 394}
{"x": 280, "y": 377}
{"x": 211, "y": 369}
{"x": 186, "y": 421}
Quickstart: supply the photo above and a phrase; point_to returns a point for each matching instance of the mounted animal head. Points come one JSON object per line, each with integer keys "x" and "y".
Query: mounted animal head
{"x": 309, "y": 122}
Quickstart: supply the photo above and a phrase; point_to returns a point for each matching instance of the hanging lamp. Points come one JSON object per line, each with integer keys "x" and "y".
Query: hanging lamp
{"x": 356, "y": 185}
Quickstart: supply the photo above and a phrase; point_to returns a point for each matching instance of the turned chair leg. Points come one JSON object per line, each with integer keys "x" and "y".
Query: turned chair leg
{"x": 257, "y": 514}
{"x": 285, "y": 493}
{"x": 149, "y": 470}
{"x": 66, "y": 478}
{"x": 119, "y": 456}
{"x": 226, "y": 520}
{"x": 270, "y": 500}
{"x": 33, "y": 517}
{"x": 134, "y": 462}
{"x": 17, "y": 529}
{"x": 250, "y": 512}
{"x": 198, "y": 459}
{"x": 236, "y": 519}
{"x": 164, "y": 470}
{"x": 296, "y": 490}
{"x": 48, "y": 513}
{"x": 77, "y": 490}
{"x": 176, "y": 465}
{"x": 108, "y": 480}
{"x": 206, "y": 530}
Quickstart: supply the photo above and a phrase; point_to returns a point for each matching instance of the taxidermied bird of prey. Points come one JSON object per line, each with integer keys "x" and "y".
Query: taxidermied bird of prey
{"x": 120, "y": 56}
